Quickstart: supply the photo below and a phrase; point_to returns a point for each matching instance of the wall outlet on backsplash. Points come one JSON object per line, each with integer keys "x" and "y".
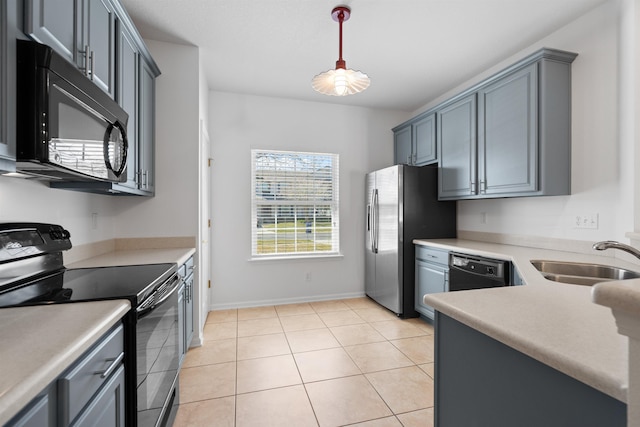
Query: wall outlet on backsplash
{"x": 586, "y": 221}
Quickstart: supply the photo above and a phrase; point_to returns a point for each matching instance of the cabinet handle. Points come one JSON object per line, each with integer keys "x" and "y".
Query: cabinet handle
{"x": 483, "y": 187}
{"x": 415, "y": 158}
{"x": 114, "y": 364}
{"x": 144, "y": 179}
{"x": 472, "y": 186}
{"x": 91, "y": 63}
{"x": 85, "y": 52}
{"x": 409, "y": 159}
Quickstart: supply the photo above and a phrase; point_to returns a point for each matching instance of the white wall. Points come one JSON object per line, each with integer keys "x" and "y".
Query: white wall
{"x": 602, "y": 148}
{"x": 26, "y": 200}
{"x": 174, "y": 209}
{"x": 240, "y": 123}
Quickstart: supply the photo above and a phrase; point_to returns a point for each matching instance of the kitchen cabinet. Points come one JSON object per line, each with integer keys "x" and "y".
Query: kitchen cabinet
{"x": 89, "y": 393}
{"x": 8, "y": 34}
{"x": 507, "y": 134}
{"x": 127, "y": 97}
{"x": 83, "y": 31}
{"x": 432, "y": 276}
{"x": 499, "y": 386}
{"x": 146, "y": 128}
{"x": 185, "y": 307}
{"x": 510, "y": 135}
{"x": 457, "y": 146}
{"x": 415, "y": 142}
{"x": 135, "y": 74}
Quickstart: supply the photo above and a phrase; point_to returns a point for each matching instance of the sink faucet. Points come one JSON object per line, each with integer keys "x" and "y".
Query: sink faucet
{"x": 611, "y": 244}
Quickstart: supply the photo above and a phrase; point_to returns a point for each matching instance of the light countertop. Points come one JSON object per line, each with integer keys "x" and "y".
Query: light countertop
{"x": 38, "y": 343}
{"x": 554, "y": 323}
{"x": 136, "y": 257}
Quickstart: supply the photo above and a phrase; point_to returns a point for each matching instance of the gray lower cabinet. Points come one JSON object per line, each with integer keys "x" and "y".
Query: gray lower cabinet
{"x": 89, "y": 393}
{"x": 481, "y": 382}
{"x": 510, "y": 135}
{"x": 185, "y": 307}
{"x": 432, "y": 276}
{"x": 8, "y": 34}
{"x": 415, "y": 141}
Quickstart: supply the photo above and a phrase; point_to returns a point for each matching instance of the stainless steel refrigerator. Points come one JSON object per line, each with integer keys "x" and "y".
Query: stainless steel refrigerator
{"x": 401, "y": 205}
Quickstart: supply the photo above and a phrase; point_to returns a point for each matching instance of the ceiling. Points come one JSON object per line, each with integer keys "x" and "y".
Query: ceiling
{"x": 413, "y": 50}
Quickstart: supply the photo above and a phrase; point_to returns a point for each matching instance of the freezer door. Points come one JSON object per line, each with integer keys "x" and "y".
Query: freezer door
{"x": 369, "y": 241}
{"x": 387, "y": 262}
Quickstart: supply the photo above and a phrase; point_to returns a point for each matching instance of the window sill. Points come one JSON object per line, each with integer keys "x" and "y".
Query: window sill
{"x": 295, "y": 257}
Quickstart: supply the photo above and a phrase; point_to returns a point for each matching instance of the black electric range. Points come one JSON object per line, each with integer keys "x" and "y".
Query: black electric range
{"x": 32, "y": 272}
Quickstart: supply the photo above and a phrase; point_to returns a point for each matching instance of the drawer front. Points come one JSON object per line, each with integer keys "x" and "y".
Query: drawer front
{"x": 92, "y": 370}
{"x": 185, "y": 269}
{"x": 426, "y": 253}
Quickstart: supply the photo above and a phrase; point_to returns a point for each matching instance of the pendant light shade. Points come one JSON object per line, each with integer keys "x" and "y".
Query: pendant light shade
{"x": 340, "y": 81}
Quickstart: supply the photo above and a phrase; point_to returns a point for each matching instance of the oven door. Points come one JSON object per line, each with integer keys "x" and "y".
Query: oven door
{"x": 157, "y": 354}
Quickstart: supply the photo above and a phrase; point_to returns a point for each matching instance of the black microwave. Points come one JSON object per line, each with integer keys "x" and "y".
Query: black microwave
{"x": 67, "y": 127}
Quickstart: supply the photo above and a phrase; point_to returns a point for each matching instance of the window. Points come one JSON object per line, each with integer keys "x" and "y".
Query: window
{"x": 294, "y": 204}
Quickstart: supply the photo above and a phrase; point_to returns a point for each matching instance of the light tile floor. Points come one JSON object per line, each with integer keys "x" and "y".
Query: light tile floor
{"x": 330, "y": 363}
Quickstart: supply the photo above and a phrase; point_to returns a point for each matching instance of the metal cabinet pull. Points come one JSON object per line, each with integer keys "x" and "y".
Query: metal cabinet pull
{"x": 112, "y": 367}
{"x": 91, "y": 64}
{"x": 472, "y": 186}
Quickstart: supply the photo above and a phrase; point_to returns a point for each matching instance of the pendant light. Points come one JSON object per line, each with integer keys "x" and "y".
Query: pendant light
{"x": 341, "y": 81}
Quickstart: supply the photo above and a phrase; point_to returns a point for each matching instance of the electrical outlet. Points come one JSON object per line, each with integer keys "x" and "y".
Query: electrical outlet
{"x": 307, "y": 276}
{"x": 586, "y": 221}
{"x": 483, "y": 217}
{"x": 94, "y": 221}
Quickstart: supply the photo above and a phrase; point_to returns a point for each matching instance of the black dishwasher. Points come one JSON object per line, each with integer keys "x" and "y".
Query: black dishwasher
{"x": 474, "y": 272}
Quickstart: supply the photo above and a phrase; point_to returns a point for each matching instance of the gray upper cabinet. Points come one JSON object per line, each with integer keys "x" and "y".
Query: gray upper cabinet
{"x": 517, "y": 140}
{"x": 83, "y": 31}
{"x": 127, "y": 97}
{"x": 54, "y": 23}
{"x": 424, "y": 140}
{"x": 8, "y": 34}
{"x": 507, "y": 134}
{"x": 402, "y": 145}
{"x": 457, "y": 145}
{"x": 96, "y": 47}
{"x": 146, "y": 127}
{"x": 415, "y": 141}
{"x": 119, "y": 62}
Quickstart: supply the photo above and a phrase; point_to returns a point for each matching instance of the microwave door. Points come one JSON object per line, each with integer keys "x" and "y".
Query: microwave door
{"x": 81, "y": 139}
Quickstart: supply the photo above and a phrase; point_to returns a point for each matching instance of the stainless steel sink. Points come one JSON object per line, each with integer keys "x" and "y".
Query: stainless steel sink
{"x": 578, "y": 273}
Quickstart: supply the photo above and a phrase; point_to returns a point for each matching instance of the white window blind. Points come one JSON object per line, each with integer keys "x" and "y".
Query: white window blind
{"x": 294, "y": 204}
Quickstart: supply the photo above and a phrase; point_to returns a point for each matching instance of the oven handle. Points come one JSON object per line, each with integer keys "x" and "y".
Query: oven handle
{"x": 143, "y": 310}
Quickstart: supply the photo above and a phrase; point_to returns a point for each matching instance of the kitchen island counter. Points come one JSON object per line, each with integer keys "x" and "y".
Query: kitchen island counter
{"x": 38, "y": 343}
{"x": 554, "y": 323}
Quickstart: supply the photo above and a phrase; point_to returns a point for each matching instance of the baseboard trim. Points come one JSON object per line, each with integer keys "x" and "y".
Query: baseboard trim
{"x": 283, "y": 301}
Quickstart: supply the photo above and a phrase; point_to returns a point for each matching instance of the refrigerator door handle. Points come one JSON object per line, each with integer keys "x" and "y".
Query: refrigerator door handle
{"x": 375, "y": 221}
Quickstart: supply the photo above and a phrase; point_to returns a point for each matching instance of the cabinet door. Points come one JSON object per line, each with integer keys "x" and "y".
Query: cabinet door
{"x": 181, "y": 321}
{"x": 456, "y": 136}
{"x": 106, "y": 409}
{"x": 424, "y": 140}
{"x": 100, "y": 22}
{"x": 507, "y": 134}
{"x": 53, "y": 22}
{"x": 402, "y": 146}
{"x": 8, "y": 33}
{"x": 146, "y": 127}
{"x": 127, "y": 97}
{"x": 188, "y": 313}
{"x": 430, "y": 279}
{"x": 35, "y": 415}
